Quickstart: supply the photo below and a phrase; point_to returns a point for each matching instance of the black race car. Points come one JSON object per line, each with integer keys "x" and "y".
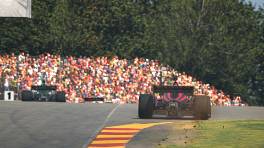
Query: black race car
{"x": 174, "y": 101}
{"x": 43, "y": 93}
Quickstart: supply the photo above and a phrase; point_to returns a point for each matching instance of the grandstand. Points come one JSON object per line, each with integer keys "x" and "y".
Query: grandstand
{"x": 116, "y": 80}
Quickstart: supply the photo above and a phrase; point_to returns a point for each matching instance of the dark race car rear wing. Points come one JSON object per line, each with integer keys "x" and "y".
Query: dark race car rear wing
{"x": 96, "y": 99}
{"x": 186, "y": 90}
{"x": 44, "y": 87}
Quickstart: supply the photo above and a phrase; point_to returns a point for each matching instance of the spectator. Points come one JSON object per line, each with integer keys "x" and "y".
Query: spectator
{"x": 117, "y": 80}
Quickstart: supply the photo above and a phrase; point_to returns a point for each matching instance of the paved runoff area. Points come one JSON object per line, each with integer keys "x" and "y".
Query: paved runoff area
{"x": 62, "y": 125}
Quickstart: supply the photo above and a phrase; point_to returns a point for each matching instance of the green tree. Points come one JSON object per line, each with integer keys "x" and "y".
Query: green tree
{"x": 212, "y": 39}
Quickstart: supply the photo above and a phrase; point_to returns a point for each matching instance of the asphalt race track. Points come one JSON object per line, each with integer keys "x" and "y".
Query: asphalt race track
{"x": 61, "y": 125}
{"x": 58, "y": 125}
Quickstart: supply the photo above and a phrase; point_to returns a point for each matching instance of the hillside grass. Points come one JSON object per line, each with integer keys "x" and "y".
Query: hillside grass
{"x": 226, "y": 134}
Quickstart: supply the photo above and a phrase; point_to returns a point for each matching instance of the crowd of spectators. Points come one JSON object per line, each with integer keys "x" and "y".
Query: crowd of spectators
{"x": 117, "y": 80}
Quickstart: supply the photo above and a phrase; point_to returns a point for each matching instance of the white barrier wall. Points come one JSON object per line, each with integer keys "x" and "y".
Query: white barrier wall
{"x": 15, "y": 8}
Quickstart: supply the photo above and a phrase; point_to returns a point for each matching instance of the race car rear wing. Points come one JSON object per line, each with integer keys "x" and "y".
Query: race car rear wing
{"x": 96, "y": 99}
{"x": 43, "y": 87}
{"x": 187, "y": 90}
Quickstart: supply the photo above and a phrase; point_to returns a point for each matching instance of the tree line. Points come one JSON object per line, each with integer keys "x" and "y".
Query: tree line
{"x": 220, "y": 42}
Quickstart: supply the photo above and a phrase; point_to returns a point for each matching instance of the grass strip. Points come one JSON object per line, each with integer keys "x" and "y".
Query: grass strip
{"x": 226, "y": 134}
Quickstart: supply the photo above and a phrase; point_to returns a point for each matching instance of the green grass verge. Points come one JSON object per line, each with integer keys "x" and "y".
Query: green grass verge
{"x": 227, "y": 134}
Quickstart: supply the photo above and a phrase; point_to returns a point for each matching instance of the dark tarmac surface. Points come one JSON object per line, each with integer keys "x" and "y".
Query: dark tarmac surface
{"x": 60, "y": 125}
{"x": 49, "y": 125}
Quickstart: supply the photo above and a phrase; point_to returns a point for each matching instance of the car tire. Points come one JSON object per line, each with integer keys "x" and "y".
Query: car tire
{"x": 27, "y": 95}
{"x": 60, "y": 96}
{"x": 202, "y": 107}
{"x": 145, "y": 106}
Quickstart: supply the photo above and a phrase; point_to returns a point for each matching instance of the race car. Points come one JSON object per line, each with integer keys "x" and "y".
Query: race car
{"x": 174, "y": 101}
{"x": 43, "y": 93}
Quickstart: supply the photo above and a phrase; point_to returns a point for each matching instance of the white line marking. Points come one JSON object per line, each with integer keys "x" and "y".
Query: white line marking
{"x": 101, "y": 127}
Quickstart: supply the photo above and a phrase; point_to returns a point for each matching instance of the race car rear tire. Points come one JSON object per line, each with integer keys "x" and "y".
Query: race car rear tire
{"x": 52, "y": 98}
{"x": 145, "y": 106}
{"x": 60, "y": 96}
{"x": 202, "y": 107}
{"x": 27, "y": 95}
